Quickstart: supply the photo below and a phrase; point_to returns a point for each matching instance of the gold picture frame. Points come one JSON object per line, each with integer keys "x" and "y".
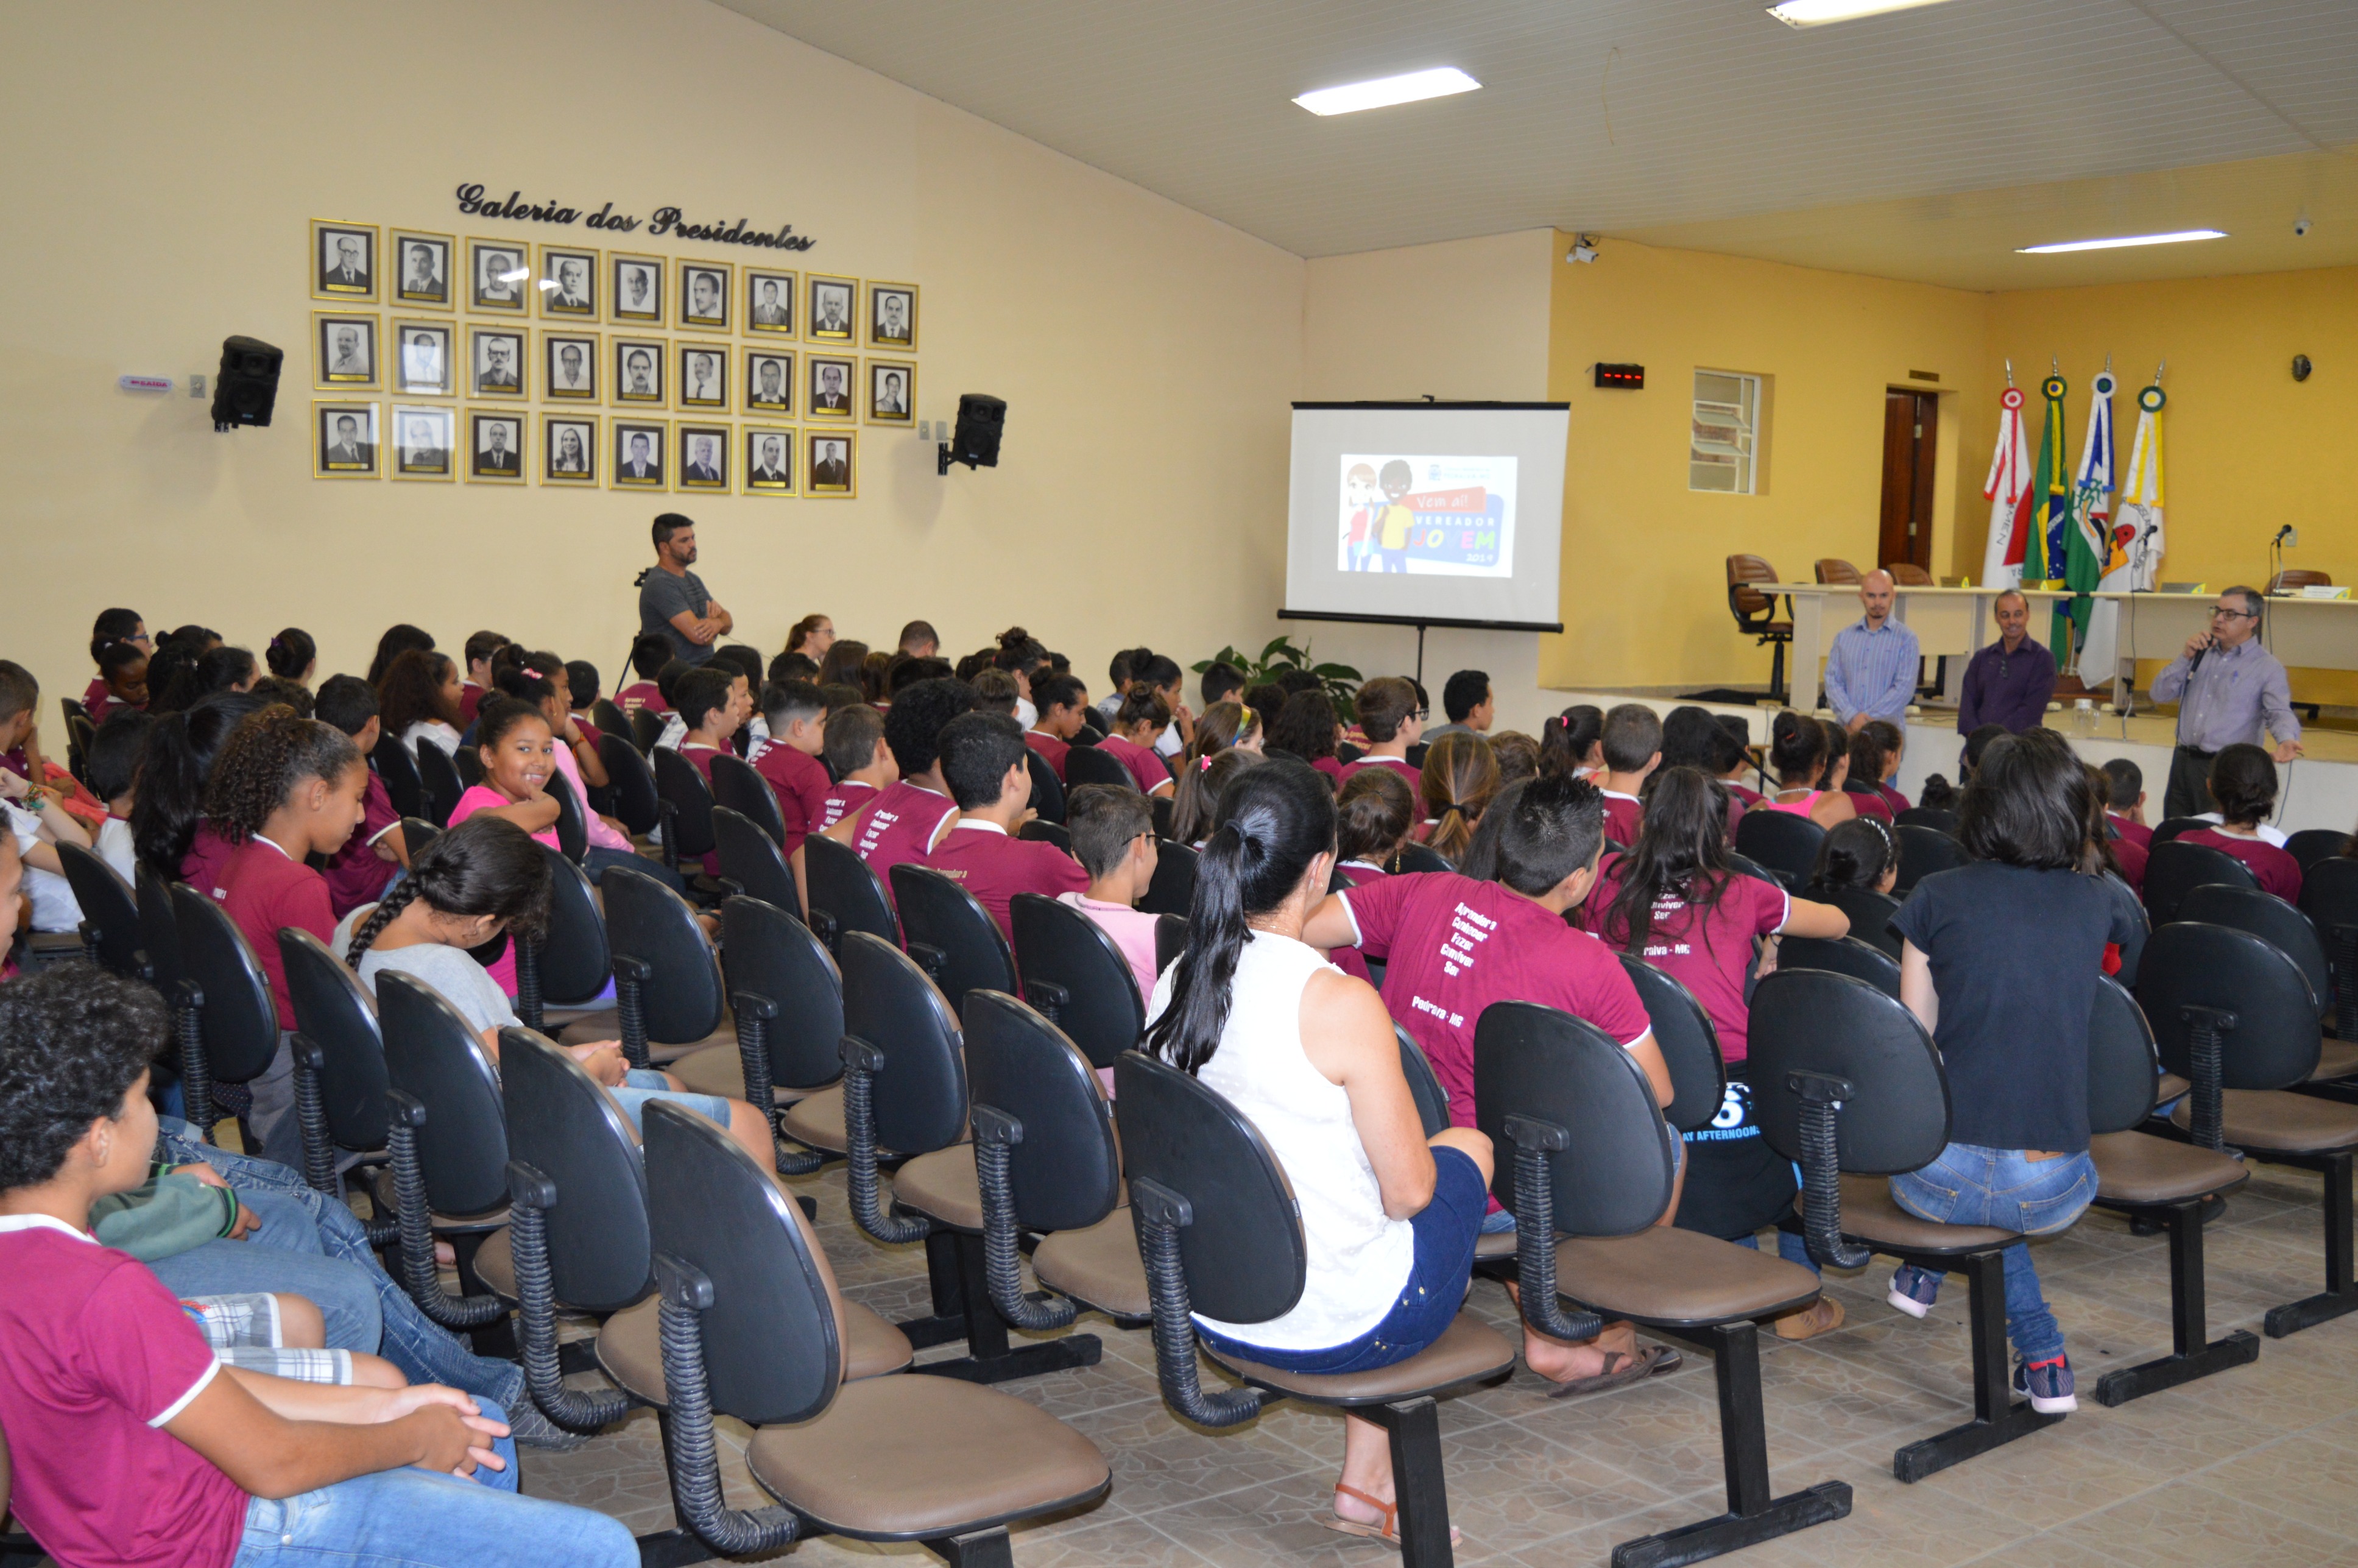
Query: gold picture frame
{"x": 499, "y": 277}
{"x": 337, "y": 452}
{"x": 626, "y": 371}
{"x": 698, "y": 467}
{"x": 830, "y": 399}
{"x": 565, "y": 295}
{"x": 818, "y": 451}
{"x": 344, "y": 260}
{"x": 768, "y": 387}
{"x": 433, "y": 458}
{"x": 770, "y": 313}
{"x": 490, "y": 461}
{"x": 752, "y": 464}
{"x": 705, "y": 294}
{"x": 427, "y": 368}
{"x": 881, "y": 297}
{"x": 619, "y": 430}
{"x": 436, "y": 291}
{"x": 345, "y": 351}
{"x": 577, "y": 465}
{"x": 574, "y": 383}
{"x": 499, "y": 360}
{"x": 634, "y": 289}
{"x": 701, "y": 376}
{"x": 831, "y": 300}
{"x": 878, "y": 383}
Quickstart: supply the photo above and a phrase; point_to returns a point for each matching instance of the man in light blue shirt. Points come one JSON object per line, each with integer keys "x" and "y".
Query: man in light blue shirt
{"x": 1871, "y": 670}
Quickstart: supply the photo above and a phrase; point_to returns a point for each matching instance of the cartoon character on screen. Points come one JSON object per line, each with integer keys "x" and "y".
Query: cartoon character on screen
{"x": 1395, "y": 520}
{"x": 1360, "y": 502}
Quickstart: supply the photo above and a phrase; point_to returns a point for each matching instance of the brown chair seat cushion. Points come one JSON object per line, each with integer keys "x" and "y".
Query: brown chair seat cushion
{"x": 1671, "y": 1276}
{"x": 2335, "y": 1059}
{"x": 1869, "y": 1214}
{"x": 630, "y": 1347}
{"x": 2272, "y": 1118}
{"x": 1099, "y": 1265}
{"x": 381, "y": 1193}
{"x": 2169, "y": 1087}
{"x": 941, "y": 1184}
{"x": 588, "y": 1028}
{"x": 1466, "y": 1350}
{"x": 714, "y": 1070}
{"x": 924, "y": 1457}
{"x": 495, "y": 1264}
{"x": 606, "y": 1024}
{"x": 2138, "y": 1168}
{"x": 818, "y": 1120}
{"x": 1500, "y": 1244}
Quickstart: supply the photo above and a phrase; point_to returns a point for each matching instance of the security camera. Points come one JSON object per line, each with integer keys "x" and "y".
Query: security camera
{"x": 2301, "y": 227}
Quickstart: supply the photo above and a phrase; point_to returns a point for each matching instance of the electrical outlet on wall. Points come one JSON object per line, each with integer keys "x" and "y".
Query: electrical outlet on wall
{"x": 925, "y": 430}
{"x": 196, "y": 384}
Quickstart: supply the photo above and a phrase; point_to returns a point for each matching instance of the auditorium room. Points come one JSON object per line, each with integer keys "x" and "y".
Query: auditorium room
{"x": 1277, "y": 784}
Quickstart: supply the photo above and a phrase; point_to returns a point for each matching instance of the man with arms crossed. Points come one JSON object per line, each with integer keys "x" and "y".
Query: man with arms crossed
{"x": 672, "y": 601}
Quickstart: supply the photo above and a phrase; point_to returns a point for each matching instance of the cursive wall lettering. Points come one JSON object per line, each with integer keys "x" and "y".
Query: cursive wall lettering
{"x": 671, "y": 220}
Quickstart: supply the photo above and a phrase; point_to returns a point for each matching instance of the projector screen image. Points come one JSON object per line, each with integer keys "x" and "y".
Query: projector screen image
{"x": 1447, "y": 516}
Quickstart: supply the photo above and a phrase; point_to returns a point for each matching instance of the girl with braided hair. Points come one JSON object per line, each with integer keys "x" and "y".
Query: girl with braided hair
{"x": 482, "y": 879}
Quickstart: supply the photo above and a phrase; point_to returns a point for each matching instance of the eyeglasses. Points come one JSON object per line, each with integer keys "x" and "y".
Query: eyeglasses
{"x": 2219, "y": 611}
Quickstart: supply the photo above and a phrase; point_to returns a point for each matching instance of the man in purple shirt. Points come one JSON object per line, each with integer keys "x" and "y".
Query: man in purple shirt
{"x": 2009, "y": 680}
{"x": 2229, "y": 689}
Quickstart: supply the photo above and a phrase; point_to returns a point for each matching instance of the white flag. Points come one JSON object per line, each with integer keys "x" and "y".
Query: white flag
{"x": 2005, "y": 490}
{"x": 2091, "y": 512}
{"x": 2141, "y": 495}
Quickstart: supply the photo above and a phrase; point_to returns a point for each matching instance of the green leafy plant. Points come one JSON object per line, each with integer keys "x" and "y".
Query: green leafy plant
{"x": 1341, "y": 682}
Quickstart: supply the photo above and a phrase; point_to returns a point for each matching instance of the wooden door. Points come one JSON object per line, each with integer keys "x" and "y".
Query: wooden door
{"x": 1911, "y": 438}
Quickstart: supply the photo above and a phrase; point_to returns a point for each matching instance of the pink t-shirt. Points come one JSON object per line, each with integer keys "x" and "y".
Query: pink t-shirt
{"x": 264, "y": 888}
{"x": 482, "y": 797}
{"x": 1051, "y": 750}
{"x": 2277, "y": 871}
{"x": 1132, "y": 931}
{"x": 848, "y": 798}
{"x": 95, "y": 1357}
{"x": 1709, "y": 951}
{"x": 900, "y": 827}
{"x": 1625, "y": 818}
{"x": 1344, "y": 774}
{"x": 355, "y": 874}
{"x": 207, "y": 858}
{"x": 994, "y": 866}
{"x": 1146, "y": 765}
{"x": 799, "y": 781}
{"x": 600, "y": 836}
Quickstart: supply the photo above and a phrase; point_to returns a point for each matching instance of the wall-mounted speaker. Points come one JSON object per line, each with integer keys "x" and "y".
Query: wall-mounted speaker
{"x": 247, "y": 387}
{"x": 975, "y": 442}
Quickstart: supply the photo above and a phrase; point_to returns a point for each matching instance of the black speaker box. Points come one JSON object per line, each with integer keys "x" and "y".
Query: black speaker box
{"x": 247, "y": 387}
{"x": 976, "y": 442}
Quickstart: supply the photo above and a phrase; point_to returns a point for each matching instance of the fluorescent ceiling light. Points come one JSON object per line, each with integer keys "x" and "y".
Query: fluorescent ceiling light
{"x": 1438, "y": 82}
{"x": 2121, "y": 242}
{"x": 1818, "y": 13}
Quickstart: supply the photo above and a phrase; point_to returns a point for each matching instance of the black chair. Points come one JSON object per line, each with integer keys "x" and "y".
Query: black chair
{"x": 110, "y": 913}
{"x": 1172, "y": 890}
{"x": 1219, "y": 1234}
{"x": 417, "y": 833}
{"x": 1786, "y": 844}
{"x": 2178, "y": 869}
{"x": 1922, "y": 852}
{"x": 339, "y": 1078}
{"x": 1047, "y": 789}
{"x": 1425, "y": 1087}
{"x": 1170, "y": 940}
{"x": 1076, "y": 976}
{"x": 160, "y": 939}
{"x": 1841, "y": 956}
{"x": 439, "y": 777}
{"x": 1413, "y": 858}
{"x": 751, "y": 1326}
{"x": 787, "y": 996}
{"x": 1088, "y": 766}
{"x": 1042, "y": 831}
{"x": 609, "y": 718}
{"x": 684, "y": 802}
{"x": 2235, "y": 1017}
{"x": 1758, "y": 872}
{"x": 566, "y": 970}
{"x": 2329, "y": 896}
{"x": 1871, "y": 914}
{"x": 1584, "y": 1156}
{"x": 2171, "y": 827}
{"x": 469, "y": 761}
{"x": 572, "y": 827}
{"x": 633, "y": 782}
{"x": 667, "y": 988}
{"x": 950, "y": 935}
{"x": 749, "y": 860}
{"x": 1689, "y": 1043}
{"x": 845, "y": 895}
{"x": 398, "y": 770}
{"x": 646, "y": 729}
{"x": 740, "y": 787}
{"x": 235, "y": 1032}
{"x": 1160, "y": 807}
{"x": 79, "y": 733}
{"x": 1939, "y": 818}
{"x": 2290, "y": 932}
{"x": 2311, "y": 845}
{"x": 1846, "y": 1083}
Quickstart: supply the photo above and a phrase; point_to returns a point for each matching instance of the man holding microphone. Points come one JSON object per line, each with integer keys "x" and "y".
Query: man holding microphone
{"x": 2229, "y": 690}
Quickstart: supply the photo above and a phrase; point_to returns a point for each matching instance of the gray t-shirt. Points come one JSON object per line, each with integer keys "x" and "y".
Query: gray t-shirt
{"x": 464, "y": 984}
{"x": 663, "y": 596}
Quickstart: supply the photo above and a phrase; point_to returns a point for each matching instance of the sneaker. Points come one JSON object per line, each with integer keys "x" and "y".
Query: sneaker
{"x": 1914, "y": 1290}
{"x": 2048, "y": 1384}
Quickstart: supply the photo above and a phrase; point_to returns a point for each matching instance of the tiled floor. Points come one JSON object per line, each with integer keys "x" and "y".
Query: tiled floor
{"x": 2248, "y": 1467}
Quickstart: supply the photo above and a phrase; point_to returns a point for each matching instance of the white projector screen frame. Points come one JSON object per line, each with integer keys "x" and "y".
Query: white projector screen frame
{"x": 1532, "y": 435}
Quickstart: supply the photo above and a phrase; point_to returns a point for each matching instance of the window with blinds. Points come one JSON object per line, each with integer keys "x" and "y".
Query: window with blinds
{"x": 1723, "y": 450}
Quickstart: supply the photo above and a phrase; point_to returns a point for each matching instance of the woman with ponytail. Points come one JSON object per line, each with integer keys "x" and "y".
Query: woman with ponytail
{"x": 293, "y": 656}
{"x": 1143, "y": 715}
{"x": 1308, "y": 1054}
{"x": 1809, "y": 781}
{"x": 1572, "y": 744}
{"x": 168, "y": 815}
{"x": 1459, "y": 781}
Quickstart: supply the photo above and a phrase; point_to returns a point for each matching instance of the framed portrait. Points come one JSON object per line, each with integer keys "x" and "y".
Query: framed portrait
{"x": 343, "y": 351}
{"x": 703, "y": 376}
{"x": 769, "y": 382}
{"x": 566, "y": 281}
{"x": 892, "y": 392}
{"x": 569, "y": 366}
{"x": 498, "y": 275}
{"x": 768, "y": 462}
{"x": 702, "y": 453}
{"x": 770, "y": 302}
{"x": 568, "y": 448}
{"x": 834, "y": 302}
{"x": 704, "y": 294}
{"x": 423, "y": 365}
{"x": 834, "y": 387}
{"x": 893, "y": 316}
{"x": 635, "y": 291}
{"x": 495, "y": 446}
{"x": 424, "y": 437}
{"x": 639, "y": 450}
{"x": 639, "y": 372}
{"x": 343, "y": 440}
{"x": 495, "y": 365}
{"x": 421, "y": 268}
{"x": 343, "y": 261}
{"x": 829, "y": 468}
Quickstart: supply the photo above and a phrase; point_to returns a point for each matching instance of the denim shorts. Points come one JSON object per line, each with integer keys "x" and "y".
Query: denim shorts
{"x": 640, "y": 1085}
{"x": 1428, "y": 1305}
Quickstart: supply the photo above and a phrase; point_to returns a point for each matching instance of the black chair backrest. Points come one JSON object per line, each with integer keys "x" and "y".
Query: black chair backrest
{"x": 2189, "y": 965}
{"x": 160, "y": 929}
{"x": 110, "y": 909}
{"x": 1786, "y": 844}
{"x": 740, "y": 787}
{"x": 1841, "y": 956}
{"x": 1042, "y": 831}
{"x": 609, "y": 718}
{"x": 1048, "y": 790}
{"x": 1620, "y": 1170}
{"x": 2311, "y": 845}
{"x": 1755, "y": 870}
{"x": 1690, "y": 1045}
{"x": 1172, "y": 890}
{"x": 647, "y": 921}
{"x": 921, "y": 1095}
{"x": 1067, "y": 1173}
{"x": 1415, "y": 858}
{"x": 2329, "y": 896}
{"x": 439, "y": 776}
{"x": 570, "y": 1130}
{"x": 1170, "y": 941}
{"x": 1088, "y": 766}
{"x": 2270, "y": 919}
{"x": 240, "y": 1023}
{"x": 632, "y": 781}
{"x": 1424, "y": 1083}
{"x": 1244, "y": 1257}
{"x": 576, "y": 963}
{"x": 1100, "y": 1010}
{"x": 1161, "y": 807}
{"x": 646, "y": 728}
{"x": 339, "y": 1019}
{"x": 398, "y": 769}
{"x": 1870, "y": 912}
{"x": 417, "y": 833}
{"x": 768, "y": 953}
{"x": 79, "y": 733}
{"x": 750, "y": 857}
{"x": 845, "y": 891}
{"x": 434, "y": 1056}
{"x": 773, "y": 1334}
{"x": 678, "y": 783}
{"x": 469, "y": 761}
{"x": 2170, "y": 827}
{"x": 2177, "y": 868}
{"x": 572, "y": 828}
{"x": 1923, "y": 851}
{"x": 1896, "y": 1118}
{"x": 1937, "y": 817}
{"x": 967, "y": 951}
{"x": 2123, "y": 1068}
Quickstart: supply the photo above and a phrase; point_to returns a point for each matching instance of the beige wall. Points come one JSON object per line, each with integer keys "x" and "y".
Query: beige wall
{"x": 164, "y": 162}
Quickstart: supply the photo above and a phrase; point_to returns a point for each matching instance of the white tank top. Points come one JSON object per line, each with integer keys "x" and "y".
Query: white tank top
{"x": 1359, "y": 1258}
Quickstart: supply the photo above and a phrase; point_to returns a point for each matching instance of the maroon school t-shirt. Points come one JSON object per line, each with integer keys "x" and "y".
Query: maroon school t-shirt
{"x": 1344, "y": 774}
{"x": 207, "y": 858}
{"x": 96, "y": 1357}
{"x": 471, "y": 702}
{"x": 994, "y": 866}
{"x": 2137, "y": 832}
{"x": 2277, "y": 871}
{"x": 899, "y": 829}
{"x": 799, "y": 781}
{"x": 641, "y": 694}
{"x": 355, "y": 874}
{"x": 264, "y": 888}
{"x": 2132, "y": 857}
{"x": 1625, "y": 818}
{"x": 1052, "y": 751}
{"x": 1709, "y": 951}
{"x": 1146, "y": 765}
{"x": 848, "y": 798}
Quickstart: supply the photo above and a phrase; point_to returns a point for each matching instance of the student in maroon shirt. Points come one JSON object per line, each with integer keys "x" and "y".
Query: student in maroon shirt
{"x": 788, "y": 760}
{"x": 1375, "y": 819}
{"x": 482, "y": 650}
{"x": 1633, "y": 750}
{"x": 1143, "y": 715}
{"x": 2124, "y": 800}
{"x": 1063, "y": 702}
{"x": 1875, "y": 756}
{"x": 122, "y": 683}
{"x": 2244, "y": 787}
{"x": 908, "y": 817}
{"x": 1306, "y": 728}
{"x": 116, "y": 629}
{"x": 982, "y": 762}
{"x": 705, "y": 700}
{"x": 358, "y": 872}
{"x": 860, "y": 760}
{"x": 1459, "y": 780}
{"x": 1388, "y": 714}
{"x": 649, "y": 654}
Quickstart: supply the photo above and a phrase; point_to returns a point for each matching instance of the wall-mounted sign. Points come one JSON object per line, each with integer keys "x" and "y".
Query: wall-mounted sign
{"x": 144, "y": 382}
{"x": 664, "y": 221}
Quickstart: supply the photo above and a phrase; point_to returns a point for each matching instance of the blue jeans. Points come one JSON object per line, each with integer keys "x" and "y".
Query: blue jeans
{"x": 413, "y": 1518}
{"x": 424, "y": 1352}
{"x": 1789, "y": 1247}
{"x": 1966, "y": 1185}
{"x": 286, "y": 1255}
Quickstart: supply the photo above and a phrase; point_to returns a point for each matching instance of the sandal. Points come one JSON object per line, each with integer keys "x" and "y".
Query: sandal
{"x": 1388, "y": 1533}
{"x": 1621, "y": 1370}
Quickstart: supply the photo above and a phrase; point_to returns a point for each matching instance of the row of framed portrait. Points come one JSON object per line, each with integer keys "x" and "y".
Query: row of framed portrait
{"x": 569, "y": 283}
{"x": 433, "y": 441}
{"x": 428, "y": 359}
